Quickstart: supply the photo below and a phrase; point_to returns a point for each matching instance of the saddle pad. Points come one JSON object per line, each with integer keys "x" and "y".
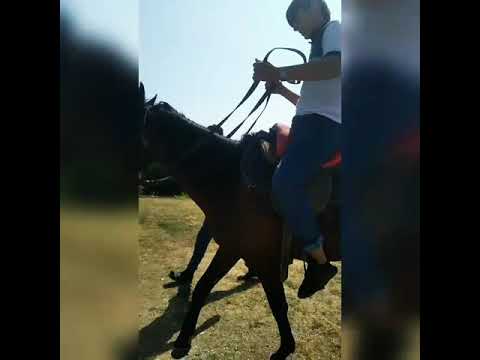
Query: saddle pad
{"x": 283, "y": 139}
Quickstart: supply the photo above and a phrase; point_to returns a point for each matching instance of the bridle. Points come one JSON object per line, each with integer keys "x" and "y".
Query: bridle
{"x": 264, "y": 99}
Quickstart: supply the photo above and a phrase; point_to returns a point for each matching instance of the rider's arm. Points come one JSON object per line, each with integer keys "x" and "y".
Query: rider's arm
{"x": 288, "y": 94}
{"x": 325, "y": 68}
{"x": 325, "y": 65}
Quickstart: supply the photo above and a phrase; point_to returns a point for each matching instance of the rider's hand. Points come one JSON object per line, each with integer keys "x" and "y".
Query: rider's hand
{"x": 264, "y": 71}
{"x": 275, "y": 87}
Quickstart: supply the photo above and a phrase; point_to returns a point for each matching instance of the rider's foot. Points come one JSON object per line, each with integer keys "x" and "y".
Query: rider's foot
{"x": 316, "y": 277}
{"x": 183, "y": 277}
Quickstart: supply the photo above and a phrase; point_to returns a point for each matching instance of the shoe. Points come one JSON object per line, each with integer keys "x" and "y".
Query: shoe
{"x": 181, "y": 277}
{"x": 316, "y": 277}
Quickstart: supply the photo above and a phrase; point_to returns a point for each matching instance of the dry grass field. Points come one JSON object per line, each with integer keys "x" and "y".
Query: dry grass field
{"x": 236, "y": 322}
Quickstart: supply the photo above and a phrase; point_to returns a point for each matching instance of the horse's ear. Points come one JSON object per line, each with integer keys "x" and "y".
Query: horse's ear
{"x": 151, "y": 102}
{"x": 142, "y": 91}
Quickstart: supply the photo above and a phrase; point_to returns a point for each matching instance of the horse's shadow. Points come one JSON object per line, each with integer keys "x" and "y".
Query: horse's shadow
{"x": 156, "y": 338}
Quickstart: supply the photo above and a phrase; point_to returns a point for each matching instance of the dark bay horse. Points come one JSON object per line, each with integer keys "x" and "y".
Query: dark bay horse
{"x": 207, "y": 167}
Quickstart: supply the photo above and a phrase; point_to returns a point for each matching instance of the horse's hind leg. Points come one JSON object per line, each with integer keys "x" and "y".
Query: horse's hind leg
{"x": 220, "y": 265}
{"x": 279, "y": 306}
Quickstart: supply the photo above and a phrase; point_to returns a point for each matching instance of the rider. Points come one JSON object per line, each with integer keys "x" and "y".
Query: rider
{"x": 201, "y": 244}
{"x": 315, "y": 130}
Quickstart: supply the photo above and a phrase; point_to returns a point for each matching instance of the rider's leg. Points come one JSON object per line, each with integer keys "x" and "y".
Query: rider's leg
{"x": 315, "y": 141}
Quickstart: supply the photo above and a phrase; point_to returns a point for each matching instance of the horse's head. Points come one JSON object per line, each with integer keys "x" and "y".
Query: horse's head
{"x": 166, "y": 133}
{"x": 173, "y": 141}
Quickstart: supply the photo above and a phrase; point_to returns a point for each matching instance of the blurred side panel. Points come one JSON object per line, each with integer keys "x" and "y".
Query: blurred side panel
{"x": 100, "y": 114}
{"x": 381, "y": 179}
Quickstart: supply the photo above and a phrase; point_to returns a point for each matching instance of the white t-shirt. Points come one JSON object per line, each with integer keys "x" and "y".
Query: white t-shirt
{"x": 323, "y": 97}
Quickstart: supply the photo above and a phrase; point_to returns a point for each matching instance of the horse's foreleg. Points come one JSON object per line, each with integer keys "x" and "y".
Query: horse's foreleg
{"x": 279, "y": 306}
{"x": 220, "y": 265}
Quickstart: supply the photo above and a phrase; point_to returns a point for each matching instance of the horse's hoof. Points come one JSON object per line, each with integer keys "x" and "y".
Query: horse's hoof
{"x": 277, "y": 356}
{"x": 180, "y": 348}
{"x": 284, "y": 353}
{"x": 180, "y": 352}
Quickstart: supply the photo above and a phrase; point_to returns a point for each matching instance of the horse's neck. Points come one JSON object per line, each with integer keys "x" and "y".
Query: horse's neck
{"x": 209, "y": 201}
{"x": 211, "y": 176}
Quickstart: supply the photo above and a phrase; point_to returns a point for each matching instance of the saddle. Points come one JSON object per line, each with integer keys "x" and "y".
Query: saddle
{"x": 262, "y": 153}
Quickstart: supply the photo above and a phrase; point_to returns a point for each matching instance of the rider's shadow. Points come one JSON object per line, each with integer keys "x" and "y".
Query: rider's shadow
{"x": 154, "y": 338}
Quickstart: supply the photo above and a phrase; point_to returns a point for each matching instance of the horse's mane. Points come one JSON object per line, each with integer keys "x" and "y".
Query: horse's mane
{"x": 166, "y": 108}
{"x": 218, "y": 162}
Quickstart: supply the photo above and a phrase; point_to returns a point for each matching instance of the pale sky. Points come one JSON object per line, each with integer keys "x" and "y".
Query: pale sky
{"x": 197, "y": 55}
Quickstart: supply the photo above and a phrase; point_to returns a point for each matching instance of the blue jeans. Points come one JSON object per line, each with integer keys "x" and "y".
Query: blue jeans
{"x": 315, "y": 140}
{"x": 201, "y": 244}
